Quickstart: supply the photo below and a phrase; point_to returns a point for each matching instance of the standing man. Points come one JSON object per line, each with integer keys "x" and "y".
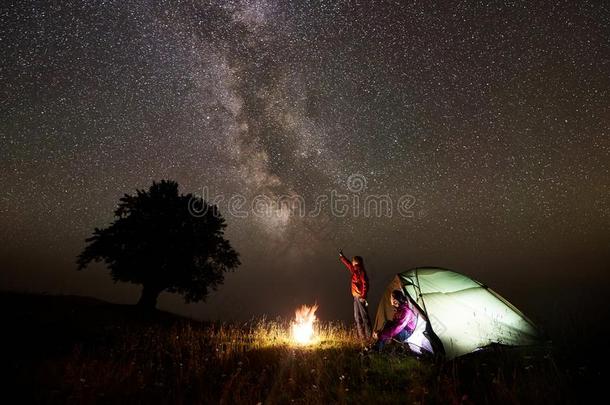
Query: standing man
{"x": 360, "y": 287}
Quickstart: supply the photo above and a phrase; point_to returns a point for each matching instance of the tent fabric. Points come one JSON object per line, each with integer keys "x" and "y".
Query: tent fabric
{"x": 385, "y": 311}
{"x": 457, "y": 311}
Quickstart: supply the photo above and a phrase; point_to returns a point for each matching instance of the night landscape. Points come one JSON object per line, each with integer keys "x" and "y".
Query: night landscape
{"x": 304, "y": 202}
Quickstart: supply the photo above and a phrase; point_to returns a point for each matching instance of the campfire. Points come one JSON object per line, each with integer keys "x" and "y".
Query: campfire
{"x": 302, "y": 326}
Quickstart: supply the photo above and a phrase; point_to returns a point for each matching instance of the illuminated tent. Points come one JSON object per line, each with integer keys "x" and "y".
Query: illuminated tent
{"x": 456, "y": 314}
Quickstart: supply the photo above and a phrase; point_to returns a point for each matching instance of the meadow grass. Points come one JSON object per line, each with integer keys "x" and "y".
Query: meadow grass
{"x": 115, "y": 354}
{"x": 253, "y": 362}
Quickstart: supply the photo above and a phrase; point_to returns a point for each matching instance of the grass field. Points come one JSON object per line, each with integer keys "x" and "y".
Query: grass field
{"x": 76, "y": 350}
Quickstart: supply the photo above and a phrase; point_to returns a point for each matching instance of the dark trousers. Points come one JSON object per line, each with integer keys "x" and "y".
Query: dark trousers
{"x": 401, "y": 336}
{"x": 363, "y": 323}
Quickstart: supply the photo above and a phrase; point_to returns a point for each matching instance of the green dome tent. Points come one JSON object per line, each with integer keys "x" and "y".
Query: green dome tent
{"x": 456, "y": 314}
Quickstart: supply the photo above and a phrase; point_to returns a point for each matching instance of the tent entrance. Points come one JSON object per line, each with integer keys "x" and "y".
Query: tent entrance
{"x": 423, "y": 340}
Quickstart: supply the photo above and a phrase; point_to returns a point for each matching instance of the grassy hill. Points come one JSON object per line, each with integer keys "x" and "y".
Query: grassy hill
{"x": 60, "y": 349}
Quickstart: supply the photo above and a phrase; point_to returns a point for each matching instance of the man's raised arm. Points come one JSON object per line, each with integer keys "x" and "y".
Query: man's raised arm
{"x": 345, "y": 261}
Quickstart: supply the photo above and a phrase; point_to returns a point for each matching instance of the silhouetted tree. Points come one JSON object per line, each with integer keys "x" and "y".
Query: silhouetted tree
{"x": 157, "y": 241}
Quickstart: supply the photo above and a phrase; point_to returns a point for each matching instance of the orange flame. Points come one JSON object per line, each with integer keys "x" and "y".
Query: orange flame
{"x": 302, "y": 326}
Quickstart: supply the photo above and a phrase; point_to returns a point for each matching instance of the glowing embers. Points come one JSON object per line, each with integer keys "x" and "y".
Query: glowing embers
{"x": 302, "y": 327}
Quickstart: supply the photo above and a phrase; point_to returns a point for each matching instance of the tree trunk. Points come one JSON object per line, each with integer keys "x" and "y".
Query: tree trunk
{"x": 148, "y": 299}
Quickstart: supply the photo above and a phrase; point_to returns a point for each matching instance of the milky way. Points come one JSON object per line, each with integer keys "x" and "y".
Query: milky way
{"x": 493, "y": 117}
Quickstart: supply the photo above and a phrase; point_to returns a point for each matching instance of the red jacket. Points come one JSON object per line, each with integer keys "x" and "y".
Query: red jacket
{"x": 360, "y": 281}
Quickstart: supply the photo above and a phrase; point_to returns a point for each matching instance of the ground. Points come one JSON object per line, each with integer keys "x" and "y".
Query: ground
{"x": 73, "y": 350}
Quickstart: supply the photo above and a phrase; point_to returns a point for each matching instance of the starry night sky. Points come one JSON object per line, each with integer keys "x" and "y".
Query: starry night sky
{"x": 493, "y": 116}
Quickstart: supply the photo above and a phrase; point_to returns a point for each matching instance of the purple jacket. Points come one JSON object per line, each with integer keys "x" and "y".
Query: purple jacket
{"x": 404, "y": 317}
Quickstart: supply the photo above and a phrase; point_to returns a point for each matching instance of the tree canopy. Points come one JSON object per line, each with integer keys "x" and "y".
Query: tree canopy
{"x": 158, "y": 240}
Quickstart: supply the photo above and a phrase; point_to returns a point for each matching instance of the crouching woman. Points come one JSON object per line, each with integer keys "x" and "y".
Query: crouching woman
{"x": 402, "y": 324}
